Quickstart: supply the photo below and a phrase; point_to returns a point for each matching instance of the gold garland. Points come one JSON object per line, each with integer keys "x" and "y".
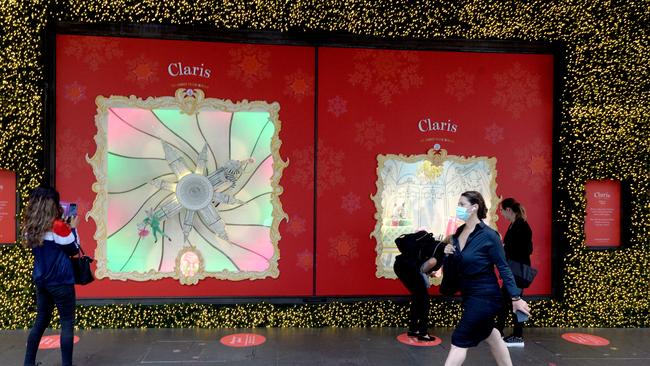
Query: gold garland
{"x": 604, "y": 133}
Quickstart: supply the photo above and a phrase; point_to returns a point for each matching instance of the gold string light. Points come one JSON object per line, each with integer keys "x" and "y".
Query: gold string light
{"x": 604, "y": 134}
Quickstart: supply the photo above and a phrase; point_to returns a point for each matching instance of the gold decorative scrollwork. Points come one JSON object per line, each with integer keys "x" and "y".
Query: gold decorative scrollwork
{"x": 189, "y": 100}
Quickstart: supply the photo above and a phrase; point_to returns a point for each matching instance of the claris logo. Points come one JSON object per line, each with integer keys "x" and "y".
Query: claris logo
{"x": 601, "y": 195}
{"x": 176, "y": 69}
{"x": 427, "y": 124}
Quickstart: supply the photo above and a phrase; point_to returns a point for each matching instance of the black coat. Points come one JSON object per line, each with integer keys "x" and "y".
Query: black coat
{"x": 471, "y": 270}
{"x": 519, "y": 242}
{"x": 418, "y": 247}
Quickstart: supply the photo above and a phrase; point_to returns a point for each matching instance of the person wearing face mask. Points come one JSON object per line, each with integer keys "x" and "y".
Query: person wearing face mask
{"x": 474, "y": 251}
{"x": 518, "y": 246}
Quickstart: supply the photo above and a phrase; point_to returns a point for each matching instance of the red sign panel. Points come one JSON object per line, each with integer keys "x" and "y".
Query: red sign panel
{"x": 603, "y": 213}
{"x": 7, "y": 207}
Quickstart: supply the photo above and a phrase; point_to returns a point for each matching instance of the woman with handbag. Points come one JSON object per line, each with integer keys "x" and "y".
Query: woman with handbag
{"x": 518, "y": 246}
{"x": 52, "y": 241}
{"x": 474, "y": 252}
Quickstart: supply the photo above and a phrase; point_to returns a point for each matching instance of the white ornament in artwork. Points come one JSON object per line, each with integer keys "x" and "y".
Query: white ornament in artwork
{"x": 196, "y": 192}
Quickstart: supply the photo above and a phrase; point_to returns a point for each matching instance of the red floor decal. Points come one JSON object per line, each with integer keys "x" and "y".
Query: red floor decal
{"x": 586, "y": 339}
{"x": 53, "y": 341}
{"x": 243, "y": 340}
{"x": 412, "y": 341}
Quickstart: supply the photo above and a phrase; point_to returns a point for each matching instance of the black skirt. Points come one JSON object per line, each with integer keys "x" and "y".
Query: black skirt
{"x": 477, "y": 321}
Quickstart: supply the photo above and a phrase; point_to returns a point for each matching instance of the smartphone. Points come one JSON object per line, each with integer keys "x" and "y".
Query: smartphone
{"x": 72, "y": 210}
{"x": 521, "y": 317}
{"x": 65, "y": 206}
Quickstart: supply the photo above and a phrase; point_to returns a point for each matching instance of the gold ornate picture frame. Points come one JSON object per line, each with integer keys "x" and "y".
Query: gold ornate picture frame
{"x": 187, "y": 187}
{"x": 421, "y": 192}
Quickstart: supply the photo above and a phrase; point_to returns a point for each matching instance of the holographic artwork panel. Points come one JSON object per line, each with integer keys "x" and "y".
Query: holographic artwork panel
{"x": 187, "y": 193}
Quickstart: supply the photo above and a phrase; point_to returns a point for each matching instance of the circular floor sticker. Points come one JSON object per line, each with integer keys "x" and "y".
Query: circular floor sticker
{"x": 586, "y": 339}
{"x": 243, "y": 340}
{"x": 53, "y": 341}
{"x": 413, "y": 341}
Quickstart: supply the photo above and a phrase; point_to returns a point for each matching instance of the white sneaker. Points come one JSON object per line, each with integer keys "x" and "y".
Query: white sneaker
{"x": 512, "y": 341}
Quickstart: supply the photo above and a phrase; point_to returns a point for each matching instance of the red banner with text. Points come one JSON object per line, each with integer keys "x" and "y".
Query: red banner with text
{"x": 7, "y": 207}
{"x": 603, "y": 213}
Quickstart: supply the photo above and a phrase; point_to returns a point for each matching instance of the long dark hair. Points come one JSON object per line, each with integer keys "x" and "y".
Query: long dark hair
{"x": 475, "y": 198}
{"x": 42, "y": 209}
{"x": 515, "y": 206}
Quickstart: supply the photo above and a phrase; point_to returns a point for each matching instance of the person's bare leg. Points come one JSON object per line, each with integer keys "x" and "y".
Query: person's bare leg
{"x": 456, "y": 356}
{"x": 499, "y": 349}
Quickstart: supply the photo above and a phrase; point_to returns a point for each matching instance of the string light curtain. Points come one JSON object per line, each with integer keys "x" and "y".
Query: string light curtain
{"x": 604, "y": 134}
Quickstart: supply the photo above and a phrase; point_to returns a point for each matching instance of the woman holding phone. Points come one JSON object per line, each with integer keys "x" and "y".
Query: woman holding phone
{"x": 518, "y": 246}
{"x": 474, "y": 252}
{"x": 52, "y": 241}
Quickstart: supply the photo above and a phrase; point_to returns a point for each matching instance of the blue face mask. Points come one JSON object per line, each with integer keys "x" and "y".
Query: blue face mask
{"x": 462, "y": 213}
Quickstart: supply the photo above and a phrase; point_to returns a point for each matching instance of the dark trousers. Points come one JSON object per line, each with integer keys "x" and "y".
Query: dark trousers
{"x": 63, "y": 296}
{"x": 409, "y": 274}
{"x": 507, "y": 313}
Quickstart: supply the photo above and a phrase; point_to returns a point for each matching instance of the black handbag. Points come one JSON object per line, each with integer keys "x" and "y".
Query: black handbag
{"x": 523, "y": 273}
{"x": 450, "y": 284}
{"x": 83, "y": 275}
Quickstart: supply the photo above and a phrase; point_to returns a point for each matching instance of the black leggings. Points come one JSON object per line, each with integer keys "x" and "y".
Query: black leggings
{"x": 507, "y": 313}
{"x": 409, "y": 274}
{"x": 63, "y": 296}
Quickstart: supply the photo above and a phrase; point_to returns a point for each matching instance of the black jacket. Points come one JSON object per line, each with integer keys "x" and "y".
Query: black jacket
{"x": 52, "y": 265}
{"x": 416, "y": 248}
{"x": 519, "y": 242}
{"x": 472, "y": 270}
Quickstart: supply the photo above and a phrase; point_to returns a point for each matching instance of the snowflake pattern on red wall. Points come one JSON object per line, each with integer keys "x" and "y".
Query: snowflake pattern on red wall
{"x": 460, "y": 84}
{"x": 330, "y": 167}
{"x": 296, "y": 225}
{"x": 350, "y": 202}
{"x": 142, "y": 71}
{"x": 337, "y": 106}
{"x": 369, "y": 133}
{"x": 516, "y": 90}
{"x": 299, "y": 85}
{"x": 94, "y": 52}
{"x": 392, "y": 74}
{"x": 534, "y": 165}
{"x": 74, "y": 92}
{"x": 301, "y": 167}
{"x": 249, "y": 64}
{"x": 305, "y": 260}
{"x": 494, "y": 133}
{"x": 68, "y": 162}
{"x": 343, "y": 248}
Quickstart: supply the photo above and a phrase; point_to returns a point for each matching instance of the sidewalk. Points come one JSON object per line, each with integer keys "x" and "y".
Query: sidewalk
{"x": 326, "y": 346}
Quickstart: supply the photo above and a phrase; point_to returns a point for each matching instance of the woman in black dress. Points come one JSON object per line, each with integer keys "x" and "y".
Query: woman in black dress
{"x": 518, "y": 246}
{"x": 475, "y": 250}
